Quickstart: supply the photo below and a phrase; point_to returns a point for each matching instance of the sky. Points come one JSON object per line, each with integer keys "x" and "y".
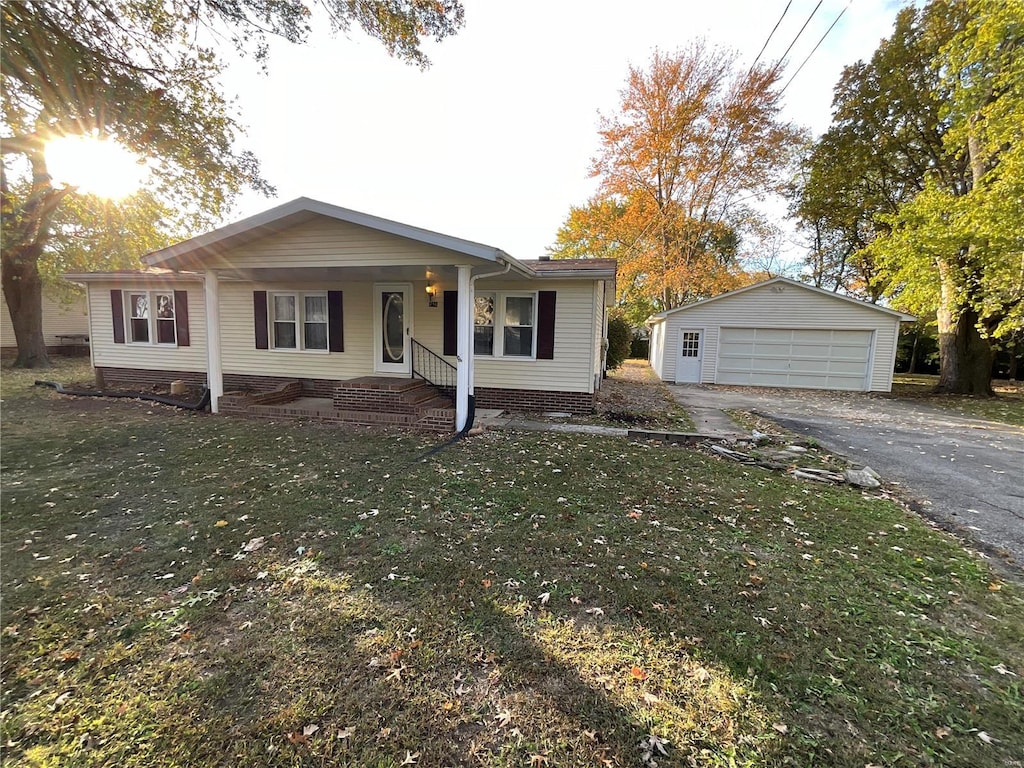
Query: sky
{"x": 493, "y": 142}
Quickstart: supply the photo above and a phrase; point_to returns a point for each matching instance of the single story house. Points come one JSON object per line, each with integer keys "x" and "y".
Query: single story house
{"x": 312, "y": 309}
{"x": 65, "y": 325}
{"x": 778, "y": 333}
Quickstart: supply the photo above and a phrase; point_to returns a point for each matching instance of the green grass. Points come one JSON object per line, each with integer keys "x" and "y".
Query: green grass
{"x": 1006, "y": 407}
{"x": 187, "y": 590}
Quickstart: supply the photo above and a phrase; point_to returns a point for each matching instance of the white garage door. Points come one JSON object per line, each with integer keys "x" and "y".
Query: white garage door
{"x": 813, "y": 359}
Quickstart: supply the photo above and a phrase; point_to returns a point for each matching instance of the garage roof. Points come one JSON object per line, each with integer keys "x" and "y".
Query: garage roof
{"x": 660, "y": 317}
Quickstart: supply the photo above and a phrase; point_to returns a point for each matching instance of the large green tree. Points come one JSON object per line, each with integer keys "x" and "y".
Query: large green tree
{"x": 145, "y": 73}
{"x": 916, "y": 184}
{"x": 695, "y": 138}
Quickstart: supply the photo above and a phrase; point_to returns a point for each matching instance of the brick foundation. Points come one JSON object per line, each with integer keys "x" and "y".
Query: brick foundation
{"x": 134, "y": 377}
{"x": 578, "y": 403}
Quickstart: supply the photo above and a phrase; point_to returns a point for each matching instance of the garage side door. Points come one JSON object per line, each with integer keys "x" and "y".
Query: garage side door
{"x": 811, "y": 359}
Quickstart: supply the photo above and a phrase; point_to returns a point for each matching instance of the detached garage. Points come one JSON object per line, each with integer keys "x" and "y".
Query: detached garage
{"x": 778, "y": 333}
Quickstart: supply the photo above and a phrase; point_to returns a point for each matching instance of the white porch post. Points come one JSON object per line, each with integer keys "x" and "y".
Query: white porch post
{"x": 464, "y": 373}
{"x": 214, "y": 372}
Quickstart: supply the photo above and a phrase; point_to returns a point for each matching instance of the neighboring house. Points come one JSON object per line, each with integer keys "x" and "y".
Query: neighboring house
{"x": 312, "y": 309}
{"x": 778, "y": 333}
{"x": 65, "y": 325}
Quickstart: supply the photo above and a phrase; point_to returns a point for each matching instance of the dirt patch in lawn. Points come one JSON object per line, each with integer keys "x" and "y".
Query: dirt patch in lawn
{"x": 633, "y": 396}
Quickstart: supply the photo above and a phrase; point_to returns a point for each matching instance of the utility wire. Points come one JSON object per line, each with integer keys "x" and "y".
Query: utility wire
{"x": 770, "y": 35}
{"x": 845, "y": 7}
{"x": 799, "y": 34}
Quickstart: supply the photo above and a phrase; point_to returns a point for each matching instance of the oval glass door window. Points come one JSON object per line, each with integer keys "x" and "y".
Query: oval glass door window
{"x": 393, "y": 327}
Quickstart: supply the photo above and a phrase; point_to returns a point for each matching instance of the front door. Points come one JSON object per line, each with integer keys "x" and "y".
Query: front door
{"x": 392, "y": 328}
{"x": 689, "y": 355}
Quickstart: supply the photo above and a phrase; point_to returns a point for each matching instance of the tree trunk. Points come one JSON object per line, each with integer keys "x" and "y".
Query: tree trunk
{"x": 965, "y": 356}
{"x": 23, "y": 291}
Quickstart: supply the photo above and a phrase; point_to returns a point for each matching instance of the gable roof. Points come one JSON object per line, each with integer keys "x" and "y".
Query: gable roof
{"x": 188, "y": 253}
{"x": 660, "y": 316}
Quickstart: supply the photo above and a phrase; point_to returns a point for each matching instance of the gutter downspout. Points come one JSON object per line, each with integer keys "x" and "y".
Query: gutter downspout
{"x": 464, "y": 400}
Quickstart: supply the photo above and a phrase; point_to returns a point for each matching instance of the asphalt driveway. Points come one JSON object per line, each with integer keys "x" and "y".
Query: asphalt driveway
{"x": 965, "y": 473}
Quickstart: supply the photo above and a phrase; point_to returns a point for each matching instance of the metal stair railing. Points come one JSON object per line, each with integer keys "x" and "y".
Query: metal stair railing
{"x": 433, "y": 369}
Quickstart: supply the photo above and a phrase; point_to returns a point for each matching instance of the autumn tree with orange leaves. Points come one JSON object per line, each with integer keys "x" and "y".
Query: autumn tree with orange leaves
{"x": 696, "y": 142}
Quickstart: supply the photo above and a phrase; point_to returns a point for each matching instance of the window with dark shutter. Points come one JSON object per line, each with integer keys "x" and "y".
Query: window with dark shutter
{"x": 451, "y": 323}
{"x": 259, "y": 313}
{"x": 335, "y": 321}
{"x": 181, "y": 317}
{"x": 546, "y": 325}
{"x": 117, "y": 313}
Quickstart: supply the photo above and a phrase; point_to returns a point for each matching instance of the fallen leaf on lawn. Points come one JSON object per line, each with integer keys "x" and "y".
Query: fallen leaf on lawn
{"x": 942, "y": 732}
{"x": 309, "y": 730}
{"x": 296, "y": 737}
{"x": 995, "y": 586}
{"x": 253, "y": 544}
{"x": 220, "y": 523}
{"x": 410, "y": 758}
{"x": 986, "y": 738}
{"x": 70, "y": 657}
{"x": 592, "y": 735}
{"x": 538, "y": 760}
{"x": 344, "y": 733}
{"x": 781, "y": 728}
{"x": 504, "y": 717}
{"x": 60, "y": 701}
{"x": 544, "y": 597}
{"x": 638, "y": 674}
{"x": 650, "y": 698}
{"x": 487, "y": 583}
{"x": 396, "y": 673}
{"x": 384, "y": 733}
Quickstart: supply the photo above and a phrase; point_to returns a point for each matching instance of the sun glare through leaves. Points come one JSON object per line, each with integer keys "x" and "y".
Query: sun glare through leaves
{"x": 96, "y": 166}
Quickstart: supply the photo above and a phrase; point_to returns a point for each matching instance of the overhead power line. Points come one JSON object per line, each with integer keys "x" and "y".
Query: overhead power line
{"x": 836, "y": 21}
{"x": 770, "y": 36}
{"x": 800, "y": 33}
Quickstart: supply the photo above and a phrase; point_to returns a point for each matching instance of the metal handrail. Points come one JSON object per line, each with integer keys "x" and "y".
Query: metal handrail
{"x": 433, "y": 369}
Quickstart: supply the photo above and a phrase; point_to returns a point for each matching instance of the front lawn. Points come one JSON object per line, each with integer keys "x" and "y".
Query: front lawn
{"x": 187, "y": 590}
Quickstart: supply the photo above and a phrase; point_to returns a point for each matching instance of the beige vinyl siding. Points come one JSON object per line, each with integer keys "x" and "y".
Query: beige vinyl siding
{"x": 238, "y": 338}
{"x": 325, "y": 242}
{"x": 64, "y": 317}
{"x": 570, "y": 370}
{"x": 791, "y": 308}
{"x": 156, "y": 357}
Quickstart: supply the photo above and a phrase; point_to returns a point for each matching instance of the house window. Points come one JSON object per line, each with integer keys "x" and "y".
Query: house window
{"x": 518, "y": 326}
{"x": 138, "y": 306}
{"x": 285, "y": 336}
{"x": 143, "y": 326}
{"x": 165, "y": 318}
{"x": 300, "y": 321}
{"x": 314, "y": 322}
{"x": 503, "y": 324}
{"x": 483, "y": 324}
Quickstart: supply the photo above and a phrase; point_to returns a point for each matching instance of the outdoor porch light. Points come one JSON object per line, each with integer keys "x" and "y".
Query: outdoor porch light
{"x": 431, "y": 295}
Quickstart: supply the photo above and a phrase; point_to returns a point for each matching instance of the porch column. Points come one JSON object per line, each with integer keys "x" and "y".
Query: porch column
{"x": 464, "y": 372}
{"x": 214, "y": 372}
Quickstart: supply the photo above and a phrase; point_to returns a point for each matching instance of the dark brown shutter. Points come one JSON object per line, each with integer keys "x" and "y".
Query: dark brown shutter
{"x": 181, "y": 317}
{"x": 117, "y": 313}
{"x": 335, "y": 321}
{"x": 546, "y": 325}
{"x": 259, "y": 314}
{"x": 451, "y": 322}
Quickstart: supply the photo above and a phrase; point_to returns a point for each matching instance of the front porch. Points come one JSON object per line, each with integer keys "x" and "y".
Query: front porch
{"x": 370, "y": 400}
